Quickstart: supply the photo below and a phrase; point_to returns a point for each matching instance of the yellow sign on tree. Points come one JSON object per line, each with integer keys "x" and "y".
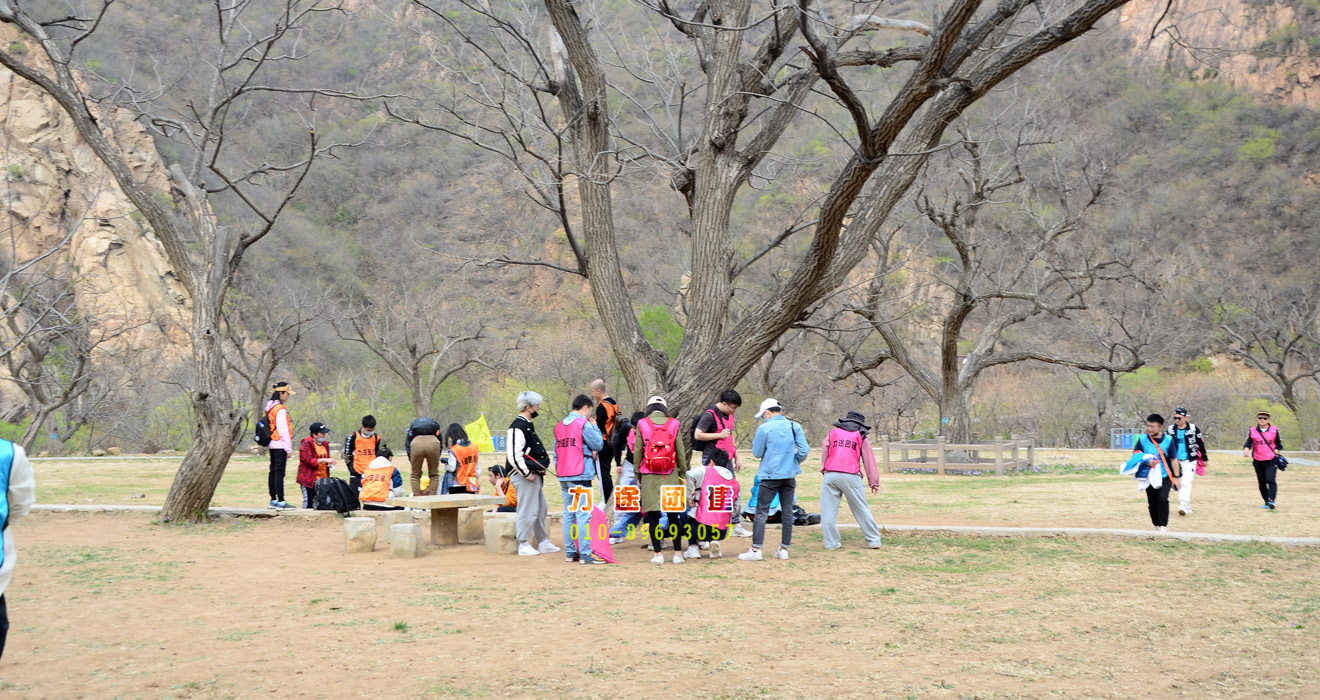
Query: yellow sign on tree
{"x": 479, "y": 434}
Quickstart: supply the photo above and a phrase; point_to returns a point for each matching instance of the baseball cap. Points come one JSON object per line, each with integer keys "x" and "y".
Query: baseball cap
{"x": 283, "y": 386}
{"x": 318, "y": 427}
{"x": 657, "y": 399}
{"x": 1180, "y": 411}
{"x": 1262, "y": 414}
{"x": 767, "y": 405}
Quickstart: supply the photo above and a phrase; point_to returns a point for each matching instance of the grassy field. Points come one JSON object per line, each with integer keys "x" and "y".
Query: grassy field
{"x": 1074, "y": 488}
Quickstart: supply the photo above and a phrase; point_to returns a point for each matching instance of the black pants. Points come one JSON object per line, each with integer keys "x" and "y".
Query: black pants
{"x": 4, "y": 625}
{"x": 1158, "y": 500}
{"x": 604, "y": 466}
{"x": 278, "y": 460}
{"x": 1265, "y": 473}
{"x": 373, "y": 506}
{"x": 676, "y": 524}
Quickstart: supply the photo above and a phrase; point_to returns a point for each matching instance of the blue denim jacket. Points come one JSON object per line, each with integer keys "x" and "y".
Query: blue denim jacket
{"x": 591, "y": 442}
{"x": 781, "y": 447}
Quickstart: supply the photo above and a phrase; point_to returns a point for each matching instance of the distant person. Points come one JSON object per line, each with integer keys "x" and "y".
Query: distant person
{"x": 713, "y": 438}
{"x": 576, "y": 439}
{"x": 422, "y": 445}
{"x": 626, "y": 524}
{"x": 314, "y": 461}
{"x": 18, "y": 491}
{"x": 281, "y": 443}
{"x": 656, "y": 447}
{"x": 1262, "y": 447}
{"x": 843, "y": 457}
{"x": 781, "y": 446}
{"x": 1164, "y": 471}
{"x": 1189, "y": 445}
{"x": 460, "y": 462}
{"x": 360, "y": 449}
{"x": 499, "y": 480}
{"x": 378, "y": 481}
{"x": 607, "y": 416}
{"x": 528, "y": 463}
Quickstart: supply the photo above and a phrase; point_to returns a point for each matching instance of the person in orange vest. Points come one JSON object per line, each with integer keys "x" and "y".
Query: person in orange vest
{"x": 359, "y": 449}
{"x": 377, "y": 480}
{"x": 281, "y": 443}
{"x": 461, "y": 475}
{"x": 607, "y": 414}
{"x": 314, "y": 461}
{"x": 500, "y": 480}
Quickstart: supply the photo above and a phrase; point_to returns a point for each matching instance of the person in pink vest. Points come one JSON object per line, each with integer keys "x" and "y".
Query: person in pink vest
{"x": 1262, "y": 447}
{"x": 845, "y": 453}
{"x": 655, "y": 442}
{"x": 712, "y": 436}
{"x": 714, "y": 500}
{"x": 577, "y": 444}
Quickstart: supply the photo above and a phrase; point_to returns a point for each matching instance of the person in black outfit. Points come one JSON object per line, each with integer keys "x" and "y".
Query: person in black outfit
{"x": 607, "y": 414}
{"x": 1262, "y": 448}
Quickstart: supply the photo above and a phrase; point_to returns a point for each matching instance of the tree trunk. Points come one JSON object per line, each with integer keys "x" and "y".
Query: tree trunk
{"x": 34, "y": 428}
{"x": 1104, "y": 417}
{"x": 956, "y": 408}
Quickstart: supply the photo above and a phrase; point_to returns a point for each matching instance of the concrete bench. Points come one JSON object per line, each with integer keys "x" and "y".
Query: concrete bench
{"x": 444, "y": 511}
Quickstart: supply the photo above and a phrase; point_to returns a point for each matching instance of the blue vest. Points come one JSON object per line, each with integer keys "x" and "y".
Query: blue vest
{"x": 1166, "y": 444}
{"x": 6, "y": 463}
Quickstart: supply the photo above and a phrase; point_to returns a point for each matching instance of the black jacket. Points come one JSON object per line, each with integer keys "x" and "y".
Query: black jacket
{"x": 1194, "y": 440}
{"x": 421, "y": 426}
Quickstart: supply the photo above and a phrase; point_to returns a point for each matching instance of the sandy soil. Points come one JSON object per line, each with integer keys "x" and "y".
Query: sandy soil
{"x": 114, "y": 606}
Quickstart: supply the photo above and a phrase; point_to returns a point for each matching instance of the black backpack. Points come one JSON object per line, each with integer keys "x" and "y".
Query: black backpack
{"x": 334, "y": 494}
{"x": 720, "y": 419}
{"x": 262, "y": 436}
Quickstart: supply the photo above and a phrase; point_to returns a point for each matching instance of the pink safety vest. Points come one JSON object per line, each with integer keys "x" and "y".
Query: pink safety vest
{"x": 711, "y": 481}
{"x": 569, "y": 460}
{"x": 1262, "y": 446}
{"x": 721, "y": 422}
{"x": 845, "y": 452}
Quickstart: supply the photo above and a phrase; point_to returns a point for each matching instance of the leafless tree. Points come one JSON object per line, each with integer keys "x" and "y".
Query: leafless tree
{"x": 241, "y": 50}
{"x": 569, "y": 98}
{"x": 1276, "y": 331}
{"x": 264, "y": 326}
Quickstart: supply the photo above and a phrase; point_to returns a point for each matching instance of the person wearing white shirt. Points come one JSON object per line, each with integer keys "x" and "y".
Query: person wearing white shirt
{"x": 17, "y": 494}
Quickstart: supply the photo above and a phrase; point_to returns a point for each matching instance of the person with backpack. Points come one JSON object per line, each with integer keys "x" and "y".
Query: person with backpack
{"x": 576, "y": 439}
{"x": 845, "y": 454}
{"x": 1262, "y": 447}
{"x": 422, "y": 445}
{"x": 380, "y": 480}
{"x": 712, "y": 436}
{"x": 1161, "y": 470}
{"x": 1189, "y": 445}
{"x": 624, "y": 439}
{"x": 607, "y": 416}
{"x": 314, "y": 461}
{"x": 656, "y": 448}
{"x": 460, "y": 462}
{"x": 18, "y": 491}
{"x": 281, "y": 443}
{"x": 360, "y": 449}
{"x": 528, "y": 463}
{"x": 781, "y": 446}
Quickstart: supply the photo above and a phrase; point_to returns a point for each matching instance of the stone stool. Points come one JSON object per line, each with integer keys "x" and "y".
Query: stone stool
{"x": 360, "y": 534}
{"x": 406, "y": 541}
{"x": 502, "y": 535}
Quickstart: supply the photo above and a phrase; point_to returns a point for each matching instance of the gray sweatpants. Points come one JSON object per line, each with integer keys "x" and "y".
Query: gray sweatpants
{"x": 833, "y": 486}
{"x": 532, "y": 509}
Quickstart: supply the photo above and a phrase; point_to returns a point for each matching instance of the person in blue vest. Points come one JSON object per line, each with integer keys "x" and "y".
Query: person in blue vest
{"x": 17, "y": 494}
{"x": 1161, "y": 444}
{"x": 577, "y": 446}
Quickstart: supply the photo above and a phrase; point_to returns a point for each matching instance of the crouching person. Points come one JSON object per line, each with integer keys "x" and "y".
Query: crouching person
{"x": 845, "y": 453}
{"x": 714, "y": 492}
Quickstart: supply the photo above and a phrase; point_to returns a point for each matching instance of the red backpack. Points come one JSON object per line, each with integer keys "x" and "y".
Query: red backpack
{"x": 658, "y": 453}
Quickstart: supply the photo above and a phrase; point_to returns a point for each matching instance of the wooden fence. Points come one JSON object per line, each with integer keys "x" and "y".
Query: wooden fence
{"x": 1001, "y": 455}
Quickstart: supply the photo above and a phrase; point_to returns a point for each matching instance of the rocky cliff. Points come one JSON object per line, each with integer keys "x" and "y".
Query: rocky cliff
{"x": 1270, "y": 48}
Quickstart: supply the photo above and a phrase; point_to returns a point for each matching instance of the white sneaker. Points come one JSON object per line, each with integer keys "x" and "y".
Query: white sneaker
{"x": 716, "y": 551}
{"x": 678, "y": 558}
{"x": 692, "y": 552}
{"x": 1162, "y": 528}
{"x": 526, "y": 550}
{"x": 547, "y": 547}
{"x": 1185, "y": 510}
{"x": 739, "y": 531}
{"x": 704, "y": 546}
{"x": 615, "y": 540}
{"x": 648, "y": 547}
{"x": 782, "y": 554}
{"x": 750, "y": 555}
{"x": 658, "y": 559}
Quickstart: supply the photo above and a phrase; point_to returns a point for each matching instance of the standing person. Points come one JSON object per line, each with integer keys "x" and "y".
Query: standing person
{"x": 528, "y": 463}
{"x": 607, "y": 417}
{"x": 422, "y": 445}
{"x": 843, "y": 456}
{"x": 1263, "y": 446}
{"x": 656, "y": 447}
{"x": 576, "y": 439}
{"x": 1190, "y": 448}
{"x": 713, "y": 438}
{"x": 377, "y": 480}
{"x": 360, "y": 449}
{"x": 314, "y": 461}
{"x": 18, "y": 491}
{"x": 781, "y": 447}
{"x": 460, "y": 462}
{"x": 624, "y": 440}
{"x": 281, "y": 443}
{"x": 1157, "y": 442}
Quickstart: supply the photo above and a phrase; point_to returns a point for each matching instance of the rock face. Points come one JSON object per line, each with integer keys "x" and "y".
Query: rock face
{"x": 54, "y": 184}
{"x": 1262, "y": 47}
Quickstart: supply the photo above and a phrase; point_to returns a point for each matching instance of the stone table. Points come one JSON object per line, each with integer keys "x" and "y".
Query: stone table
{"x": 444, "y": 511}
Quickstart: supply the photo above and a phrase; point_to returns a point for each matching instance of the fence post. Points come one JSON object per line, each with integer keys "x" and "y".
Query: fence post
{"x": 1016, "y": 465}
{"x": 904, "y": 452}
{"x": 939, "y": 445}
{"x": 1031, "y": 453}
{"x": 884, "y": 451}
{"x": 999, "y": 457}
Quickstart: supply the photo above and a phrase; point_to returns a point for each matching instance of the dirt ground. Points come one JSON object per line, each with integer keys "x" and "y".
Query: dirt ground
{"x": 115, "y": 606}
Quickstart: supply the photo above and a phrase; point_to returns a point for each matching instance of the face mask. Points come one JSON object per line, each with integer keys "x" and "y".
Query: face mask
{"x": 321, "y": 440}
{"x": 535, "y": 413}
{"x": 368, "y": 433}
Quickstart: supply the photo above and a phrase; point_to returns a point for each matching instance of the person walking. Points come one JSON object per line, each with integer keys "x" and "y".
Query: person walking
{"x": 461, "y": 459}
{"x": 844, "y": 455}
{"x": 713, "y": 438}
{"x": 528, "y": 463}
{"x": 281, "y": 443}
{"x": 1164, "y": 469}
{"x": 656, "y": 448}
{"x": 576, "y": 439}
{"x": 607, "y": 417}
{"x": 314, "y": 461}
{"x": 360, "y": 450}
{"x": 781, "y": 446}
{"x": 1189, "y": 445}
{"x": 422, "y": 445}
{"x": 18, "y": 491}
{"x": 1262, "y": 447}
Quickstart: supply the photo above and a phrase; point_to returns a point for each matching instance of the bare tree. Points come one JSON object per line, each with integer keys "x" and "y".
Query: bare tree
{"x": 558, "y": 99}
{"x": 239, "y": 53}
{"x": 264, "y": 327}
{"x": 1276, "y": 331}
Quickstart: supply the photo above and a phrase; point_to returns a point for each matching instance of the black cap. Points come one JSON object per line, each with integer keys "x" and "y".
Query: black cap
{"x": 1180, "y": 411}
{"x": 318, "y": 427}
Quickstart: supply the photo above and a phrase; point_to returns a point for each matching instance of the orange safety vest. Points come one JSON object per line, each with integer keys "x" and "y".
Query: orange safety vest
{"x": 376, "y": 483}
{"x": 466, "y": 474}
{"x": 322, "y": 452}
{"x": 364, "y": 450}
{"x": 270, "y": 418}
{"x": 510, "y": 493}
{"x": 611, "y": 412}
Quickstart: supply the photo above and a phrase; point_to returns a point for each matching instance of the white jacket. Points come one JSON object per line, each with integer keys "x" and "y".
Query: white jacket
{"x": 22, "y": 494}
